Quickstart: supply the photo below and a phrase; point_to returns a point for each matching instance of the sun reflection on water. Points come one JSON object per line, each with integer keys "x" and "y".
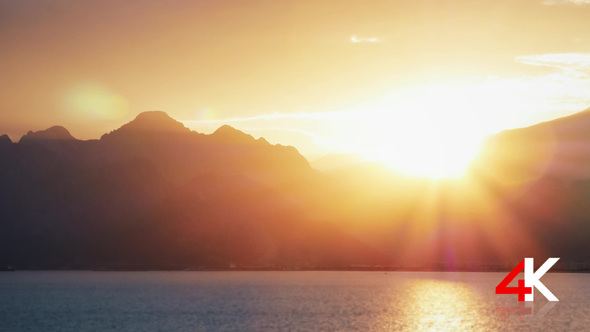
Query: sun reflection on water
{"x": 436, "y": 305}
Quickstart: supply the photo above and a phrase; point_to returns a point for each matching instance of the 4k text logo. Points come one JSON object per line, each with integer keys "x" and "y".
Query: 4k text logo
{"x": 532, "y": 279}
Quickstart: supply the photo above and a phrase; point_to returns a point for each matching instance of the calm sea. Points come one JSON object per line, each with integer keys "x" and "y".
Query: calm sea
{"x": 261, "y": 301}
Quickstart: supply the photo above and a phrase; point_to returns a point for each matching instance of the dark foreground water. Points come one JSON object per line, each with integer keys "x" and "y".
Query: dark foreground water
{"x": 259, "y": 301}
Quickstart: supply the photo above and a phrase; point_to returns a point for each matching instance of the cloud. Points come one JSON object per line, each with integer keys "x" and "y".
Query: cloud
{"x": 564, "y": 2}
{"x": 274, "y": 117}
{"x": 565, "y": 89}
{"x": 356, "y": 39}
{"x": 572, "y": 64}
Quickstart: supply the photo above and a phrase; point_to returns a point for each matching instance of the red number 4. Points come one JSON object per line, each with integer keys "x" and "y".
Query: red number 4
{"x": 503, "y": 287}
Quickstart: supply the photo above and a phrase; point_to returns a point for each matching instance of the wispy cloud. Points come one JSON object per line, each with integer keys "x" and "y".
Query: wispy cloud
{"x": 315, "y": 136}
{"x": 567, "y": 88}
{"x": 572, "y": 64}
{"x": 273, "y": 117}
{"x": 357, "y": 39}
{"x": 564, "y": 2}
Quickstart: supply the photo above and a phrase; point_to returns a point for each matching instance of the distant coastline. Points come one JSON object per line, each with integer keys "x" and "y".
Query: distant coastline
{"x": 563, "y": 268}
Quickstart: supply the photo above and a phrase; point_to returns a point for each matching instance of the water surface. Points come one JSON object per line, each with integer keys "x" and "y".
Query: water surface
{"x": 260, "y": 301}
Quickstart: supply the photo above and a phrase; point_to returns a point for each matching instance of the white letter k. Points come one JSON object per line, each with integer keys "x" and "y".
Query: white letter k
{"x": 532, "y": 279}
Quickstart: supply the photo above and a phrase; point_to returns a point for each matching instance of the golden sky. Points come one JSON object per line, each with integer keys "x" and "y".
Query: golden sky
{"x": 323, "y": 76}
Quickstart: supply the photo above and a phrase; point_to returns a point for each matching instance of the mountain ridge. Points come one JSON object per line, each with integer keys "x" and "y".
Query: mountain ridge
{"x": 119, "y": 201}
{"x": 53, "y": 133}
{"x": 153, "y": 195}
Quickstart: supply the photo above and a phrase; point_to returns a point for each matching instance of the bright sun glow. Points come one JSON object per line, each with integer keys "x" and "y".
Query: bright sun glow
{"x": 425, "y": 142}
{"x": 436, "y": 129}
{"x": 94, "y": 100}
{"x": 434, "y": 132}
{"x": 432, "y": 129}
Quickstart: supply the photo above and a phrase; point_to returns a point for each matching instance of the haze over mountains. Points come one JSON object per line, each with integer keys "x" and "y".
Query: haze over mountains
{"x": 155, "y": 195}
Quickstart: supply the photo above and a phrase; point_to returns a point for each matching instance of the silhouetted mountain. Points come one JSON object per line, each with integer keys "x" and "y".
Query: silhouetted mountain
{"x": 5, "y": 141}
{"x": 228, "y": 134}
{"x": 55, "y": 133}
{"x": 542, "y": 175}
{"x": 219, "y": 219}
{"x": 154, "y": 194}
{"x": 148, "y": 123}
{"x": 558, "y": 147}
{"x": 526, "y": 196}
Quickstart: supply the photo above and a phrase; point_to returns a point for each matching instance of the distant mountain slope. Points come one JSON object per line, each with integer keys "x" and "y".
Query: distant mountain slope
{"x": 559, "y": 147}
{"x": 541, "y": 175}
{"x": 527, "y": 195}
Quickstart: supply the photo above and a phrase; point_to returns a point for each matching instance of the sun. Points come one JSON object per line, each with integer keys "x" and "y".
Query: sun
{"x": 437, "y": 135}
{"x": 425, "y": 149}
{"x": 433, "y": 158}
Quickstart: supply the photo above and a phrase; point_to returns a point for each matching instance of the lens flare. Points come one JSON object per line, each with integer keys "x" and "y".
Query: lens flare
{"x": 206, "y": 113}
{"x": 94, "y": 100}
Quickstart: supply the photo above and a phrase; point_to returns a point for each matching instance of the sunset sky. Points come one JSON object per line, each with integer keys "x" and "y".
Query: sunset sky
{"x": 389, "y": 79}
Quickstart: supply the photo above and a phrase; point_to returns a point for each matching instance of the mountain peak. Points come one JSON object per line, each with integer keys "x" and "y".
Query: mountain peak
{"x": 156, "y": 121}
{"x": 154, "y": 116}
{"x": 225, "y": 129}
{"x": 5, "y": 141}
{"x": 229, "y": 134}
{"x": 55, "y": 133}
{"x": 151, "y": 122}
